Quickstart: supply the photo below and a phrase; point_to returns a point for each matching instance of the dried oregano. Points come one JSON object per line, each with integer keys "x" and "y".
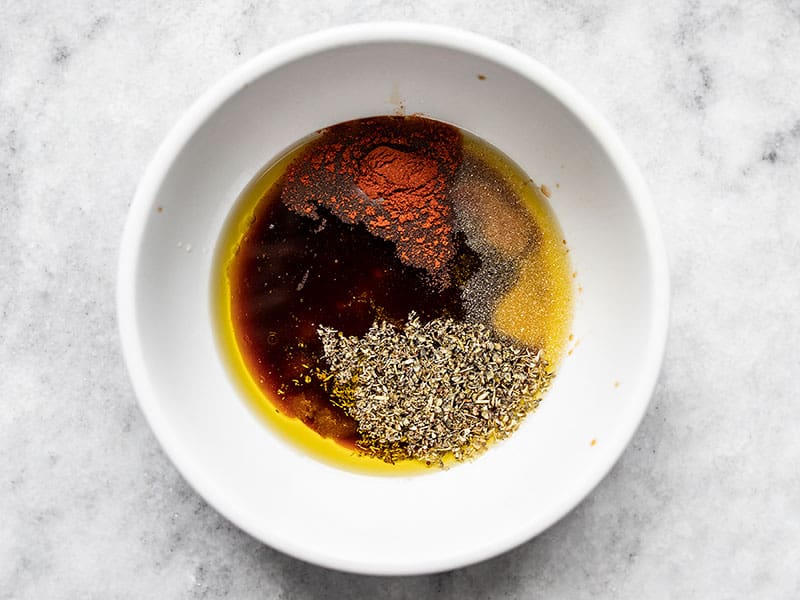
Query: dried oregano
{"x": 423, "y": 391}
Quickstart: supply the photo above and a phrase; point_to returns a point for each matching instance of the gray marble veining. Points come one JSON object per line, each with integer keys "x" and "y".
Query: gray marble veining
{"x": 706, "y": 501}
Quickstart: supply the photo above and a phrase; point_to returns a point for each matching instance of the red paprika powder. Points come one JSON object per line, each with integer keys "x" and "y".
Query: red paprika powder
{"x": 390, "y": 174}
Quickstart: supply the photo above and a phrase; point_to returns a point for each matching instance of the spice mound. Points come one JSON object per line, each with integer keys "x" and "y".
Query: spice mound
{"x": 389, "y": 174}
{"x": 424, "y": 391}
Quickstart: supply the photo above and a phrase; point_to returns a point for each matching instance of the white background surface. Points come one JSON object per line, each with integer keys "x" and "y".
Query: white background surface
{"x": 706, "y": 501}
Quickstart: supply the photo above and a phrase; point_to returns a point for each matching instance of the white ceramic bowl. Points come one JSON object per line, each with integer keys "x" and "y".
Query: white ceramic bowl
{"x": 392, "y": 525}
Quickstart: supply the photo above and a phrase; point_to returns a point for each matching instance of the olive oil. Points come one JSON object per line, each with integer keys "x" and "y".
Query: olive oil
{"x": 279, "y": 276}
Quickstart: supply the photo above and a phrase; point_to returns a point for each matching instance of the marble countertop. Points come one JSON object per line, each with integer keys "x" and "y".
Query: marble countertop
{"x": 705, "y": 503}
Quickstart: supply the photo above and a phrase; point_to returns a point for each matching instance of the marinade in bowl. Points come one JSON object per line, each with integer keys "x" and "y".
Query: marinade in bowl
{"x": 393, "y": 293}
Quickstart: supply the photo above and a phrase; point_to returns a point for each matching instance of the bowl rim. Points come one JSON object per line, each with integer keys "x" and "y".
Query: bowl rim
{"x": 326, "y": 40}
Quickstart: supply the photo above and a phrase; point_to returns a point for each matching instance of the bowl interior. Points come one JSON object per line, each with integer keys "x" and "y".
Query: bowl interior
{"x": 391, "y": 524}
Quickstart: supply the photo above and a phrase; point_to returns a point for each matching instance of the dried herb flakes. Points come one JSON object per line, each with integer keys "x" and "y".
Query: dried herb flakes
{"x": 424, "y": 391}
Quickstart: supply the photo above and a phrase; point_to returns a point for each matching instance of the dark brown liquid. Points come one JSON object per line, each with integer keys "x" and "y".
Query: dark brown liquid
{"x": 293, "y": 273}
